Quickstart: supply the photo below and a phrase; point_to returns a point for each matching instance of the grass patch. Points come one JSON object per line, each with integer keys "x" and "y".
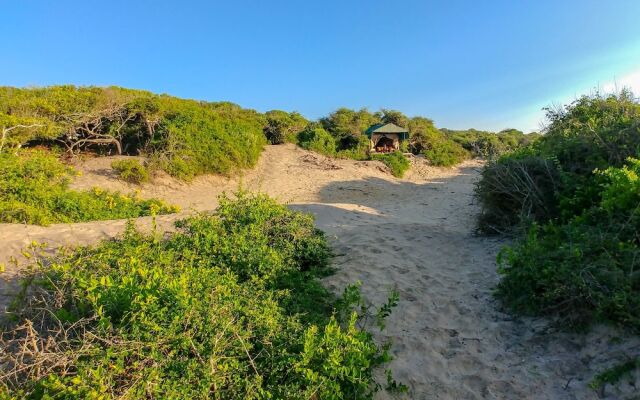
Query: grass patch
{"x": 230, "y": 306}
{"x": 34, "y": 189}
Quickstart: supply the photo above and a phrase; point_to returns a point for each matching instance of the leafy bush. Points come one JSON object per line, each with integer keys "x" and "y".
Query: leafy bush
{"x": 592, "y": 133}
{"x": 579, "y": 258}
{"x": 131, "y": 171}
{"x": 445, "y": 153}
{"x": 183, "y": 137}
{"x": 359, "y": 150}
{"x": 228, "y": 307}
{"x": 283, "y": 127}
{"x": 317, "y": 139}
{"x": 584, "y": 270}
{"x": 490, "y": 145}
{"x": 396, "y": 161}
{"x": 34, "y": 189}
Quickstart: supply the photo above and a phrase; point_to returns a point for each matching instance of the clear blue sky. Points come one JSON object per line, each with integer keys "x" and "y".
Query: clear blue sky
{"x": 482, "y": 64}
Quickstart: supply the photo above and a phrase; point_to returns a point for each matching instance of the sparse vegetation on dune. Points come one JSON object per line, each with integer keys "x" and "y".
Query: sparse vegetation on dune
{"x": 228, "y": 307}
{"x": 34, "y": 189}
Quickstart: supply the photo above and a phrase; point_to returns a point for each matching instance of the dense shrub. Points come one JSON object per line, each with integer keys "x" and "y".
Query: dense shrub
{"x": 132, "y": 171}
{"x": 283, "y": 127}
{"x": 586, "y": 269}
{"x": 396, "y": 161}
{"x": 358, "y": 150}
{"x": 592, "y": 132}
{"x": 184, "y": 137}
{"x": 34, "y": 189}
{"x": 316, "y": 139}
{"x": 579, "y": 257}
{"x": 490, "y": 145}
{"x": 229, "y": 307}
{"x": 445, "y": 153}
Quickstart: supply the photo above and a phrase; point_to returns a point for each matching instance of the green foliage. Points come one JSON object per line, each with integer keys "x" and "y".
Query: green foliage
{"x": 579, "y": 260}
{"x": 445, "y": 153}
{"x": 283, "y": 127}
{"x": 396, "y": 161}
{"x": 425, "y": 138}
{"x": 357, "y": 151}
{"x": 229, "y": 307}
{"x": 591, "y": 133}
{"x": 489, "y": 145}
{"x": 584, "y": 270}
{"x": 345, "y": 122}
{"x": 394, "y": 117}
{"x": 183, "y": 137}
{"x": 34, "y": 190}
{"x": 423, "y": 134}
{"x": 316, "y": 139}
{"x": 614, "y": 374}
{"x": 131, "y": 171}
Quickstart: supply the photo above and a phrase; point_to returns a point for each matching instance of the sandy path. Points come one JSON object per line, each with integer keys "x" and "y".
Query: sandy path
{"x": 450, "y": 339}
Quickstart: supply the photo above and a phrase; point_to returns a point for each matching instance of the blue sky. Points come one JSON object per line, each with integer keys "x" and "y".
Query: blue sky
{"x": 482, "y": 64}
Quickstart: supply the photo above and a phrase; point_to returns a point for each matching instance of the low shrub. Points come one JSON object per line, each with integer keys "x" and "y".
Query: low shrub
{"x": 316, "y": 139}
{"x": 579, "y": 204}
{"x": 359, "y": 150}
{"x": 34, "y": 189}
{"x": 445, "y": 153}
{"x": 396, "y": 161}
{"x": 584, "y": 270}
{"x": 283, "y": 127}
{"x": 132, "y": 171}
{"x": 230, "y": 306}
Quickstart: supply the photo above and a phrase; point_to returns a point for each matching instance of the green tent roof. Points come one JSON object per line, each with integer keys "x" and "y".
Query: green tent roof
{"x": 385, "y": 128}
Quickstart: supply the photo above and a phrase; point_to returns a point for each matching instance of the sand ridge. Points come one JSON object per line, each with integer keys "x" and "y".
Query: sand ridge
{"x": 451, "y": 340}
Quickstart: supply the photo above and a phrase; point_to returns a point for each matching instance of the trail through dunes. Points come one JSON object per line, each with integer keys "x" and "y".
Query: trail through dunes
{"x": 451, "y": 340}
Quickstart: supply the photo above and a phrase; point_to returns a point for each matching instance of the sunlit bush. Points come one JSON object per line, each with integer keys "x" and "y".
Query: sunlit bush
{"x": 229, "y": 307}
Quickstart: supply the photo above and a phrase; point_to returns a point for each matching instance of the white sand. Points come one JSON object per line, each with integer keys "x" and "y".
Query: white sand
{"x": 415, "y": 235}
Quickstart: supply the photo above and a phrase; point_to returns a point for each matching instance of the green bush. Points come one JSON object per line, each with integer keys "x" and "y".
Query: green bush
{"x": 396, "y": 161}
{"x": 445, "y": 153}
{"x": 34, "y": 189}
{"x": 317, "y": 139}
{"x": 490, "y": 145}
{"x": 229, "y": 307}
{"x": 283, "y": 127}
{"x": 583, "y": 270}
{"x": 358, "y": 151}
{"x": 131, "y": 171}
{"x": 579, "y": 258}
{"x": 184, "y": 137}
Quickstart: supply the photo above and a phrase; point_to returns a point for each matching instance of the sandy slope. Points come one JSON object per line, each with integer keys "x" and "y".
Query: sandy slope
{"x": 450, "y": 339}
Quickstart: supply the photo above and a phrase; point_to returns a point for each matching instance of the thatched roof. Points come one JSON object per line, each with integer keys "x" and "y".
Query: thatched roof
{"x": 386, "y": 128}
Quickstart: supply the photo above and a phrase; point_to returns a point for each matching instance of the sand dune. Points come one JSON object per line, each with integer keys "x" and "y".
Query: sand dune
{"x": 415, "y": 235}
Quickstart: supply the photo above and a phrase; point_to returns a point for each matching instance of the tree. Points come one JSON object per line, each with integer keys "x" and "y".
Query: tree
{"x": 422, "y": 134}
{"x": 394, "y": 117}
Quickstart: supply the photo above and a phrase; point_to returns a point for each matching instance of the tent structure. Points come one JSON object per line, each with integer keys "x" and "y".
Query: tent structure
{"x": 385, "y": 138}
